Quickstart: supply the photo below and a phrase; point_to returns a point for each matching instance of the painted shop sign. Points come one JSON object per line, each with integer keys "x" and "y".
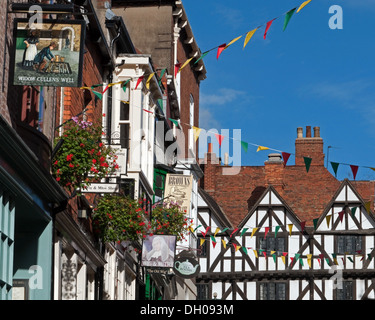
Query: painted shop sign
{"x": 158, "y": 251}
{"x": 185, "y": 266}
{"x": 178, "y": 189}
{"x": 49, "y": 55}
{"x": 102, "y": 188}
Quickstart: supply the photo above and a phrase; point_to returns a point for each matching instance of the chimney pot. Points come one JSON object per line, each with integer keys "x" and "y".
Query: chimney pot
{"x": 210, "y": 147}
{"x": 308, "y": 131}
{"x": 299, "y": 132}
{"x": 316, "y": 132}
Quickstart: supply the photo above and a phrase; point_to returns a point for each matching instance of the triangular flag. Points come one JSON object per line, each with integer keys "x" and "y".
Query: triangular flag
{"x": 212, "y": 238}
{"x": 290, "y": 226}
{"x": 123, "y": 84}
{"x": 368, "y": 206}
{"x": 244, "y": 249}
{"x": 303, "y": 5}
{"x": 309, "y": 257}
{"x": 98, "y": 94}
{"x": 353, "y": 211}
{"x": 301, "y": 261}
{"x": 244, "y": 145}
{"x": 285, "y": 157}
{"x": 303, "y": 223}
{"x": 277, "y": 230}
{"x": 296, "y": 256}
{"x": 283, "y": 258}
{"x": 350, "y": 259}
{"x": 214, "y": 244}
{"x": 220, "y": 50}
{"x": 335, "y": 166}
{"x": 235, "y": 230}
{"x": 185, "y": 64}
{"x": 197, "y": 227}
{"x": 354, "y": 170}
{"x": 328, "y": 219}
{"x": 235, "y": 246}
{"x": 266, "y": 229}
{"x": 204, "y": 233}
{"x": 243, "y": 231}
{"x": 138, "y": 82}
{"x": 202, "y": 56}
{"x": 176, "y": 68}
{"x": 224, "y": 243}
{"x": 174, "y": 121}
{"x": 219, "y": 138}
{"x": 161, "y": 75}
{"x": 315, "y": 221}
{"x": 273, "y": 256}
{"x": 233, "y": 41}
{"x": 267, "y": 28}
{"x": 288, "y": 16}
{"x": 225, "y": 229}
{"x": 307, "y": 163}
{"x": 202, "y": 240}
{"x": 249, "y": 35}
{"x": 216, "y": 231}
{"x": 253, "y": 232}
{"x": 264, "y": 253}
{"x": 149, "y": 80}
{"x": 255, "y": 253}
{"x": 341, "y": 215}
{"x": 196, "y": 132}
{"x": 238, "y": 247}
{"x": 262, "y": 148}
{"x": 106, "y": 88}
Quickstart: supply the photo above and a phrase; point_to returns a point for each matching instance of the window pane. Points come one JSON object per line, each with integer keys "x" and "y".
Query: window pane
{"x": 124, "y": 111}
{"x": 124, "y": 135}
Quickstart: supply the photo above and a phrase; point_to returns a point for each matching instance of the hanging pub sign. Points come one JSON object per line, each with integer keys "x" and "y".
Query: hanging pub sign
{"x": 158, "y": 251}
{"x": 50, "y": 54}
{"x": 185, "y": 265}
{"x": 178, "y": 189}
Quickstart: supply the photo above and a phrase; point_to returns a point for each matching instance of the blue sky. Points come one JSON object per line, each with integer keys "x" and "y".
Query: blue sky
{"x": 308, "y": 75}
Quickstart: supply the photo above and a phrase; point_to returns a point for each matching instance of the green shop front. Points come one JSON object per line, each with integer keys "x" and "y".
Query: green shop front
{"x": 29, "y": 197}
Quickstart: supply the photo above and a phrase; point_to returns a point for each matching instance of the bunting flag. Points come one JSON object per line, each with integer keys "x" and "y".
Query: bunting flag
{"x": 288, "y": 16}
{"x": 328, "y": 219}
{"x": 232, "y": 41}
{"x": 301, "y": 261}
{"x": 214, "y": 244}
{"x": 138, "y": 82}
{"x": 177, "y": 67}
{"x": 197, "y": 227}
{"x": 266, "y": 229}
{"x": 283, "y": 257}
{"x": 196, "y": 132}
{"x": 353, "y": 211}
{"x": 244, "y": 145}
{"x": 202, "y": 240}
{"x": 149, "y": 80}
{"x": 307, "y": 163}
{"x": 249, "y": 35}
{"x": 267, "y": 28}
{"x": 335, "y": 166}
{"x": 234, "y": 231}
{"x": 303, "y": 223}
{"x": 368, "y": 206}
{"x": 220, "y": 49}
{"x": 341, "y": 215}
{"x": 303, "y": 5}
{"x": 204, "y": 233}
{"x": 224, "y": 243}
{"x": 202, "y": 56}
{"x": 244, "y": 249}
{"x": 216, "y": 231}
{"x": 123, "y": 85}
{"x": 191, "y": 229}
{"x": 354, "y": 170}
{"x": 212, "y": 238}
{"x": 309, "y": 258}
{"x": 273, "y": 256}
{"x": 260, "y": 148}
{"x": 285, "y": 157}
{"x": 253, "y": 232}
{"x": 185, "y": 64}
{"x": 315, "y": 221}
{"x": 277, "y": 230}
{"x": 98, "y": 94}
{"x": 219, "y": 138}
{"x": 290, "y": 227}
{"x": 243, "y": 231}
{"x": 161, "y": 75}
{"x": 175, "y": 122}
{"x": 255, "y": 253}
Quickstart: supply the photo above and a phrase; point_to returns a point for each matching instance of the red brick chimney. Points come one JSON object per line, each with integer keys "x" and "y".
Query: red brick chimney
{"x": 274, "y": 168}
{"x": 309, "y": 146}
{"x": 210, "y": 164}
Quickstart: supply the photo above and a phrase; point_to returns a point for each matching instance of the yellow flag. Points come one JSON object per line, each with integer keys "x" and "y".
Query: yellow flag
{"x": 216, "y": 231}
{"x": 149, "y": 80}
{"x": 262, "y": 148}
{"x": 368, "y": 206}
{"x": 290, "y": 226}
{"x": 283, "y": 259}
{"x": 309, "y": 257}
{"x": 328, "y": 219}
{"x": 272, "y": 252}
{"x": 202, "y": 241}
{"x": 254, "y": 230}
{"x": 88, "y": 88}
{"x": 185, "y": 64}
{"x": 237, "y": 247}
{"x": 233, "y": 41}
{"x": 304, "y": 4}
{"x": 196, "y": 132}
{"x": 256, "y": 253}
{"x": 191, "y": 229}
{"x": 224, "y": 243}
{"x": 248, "y": 37}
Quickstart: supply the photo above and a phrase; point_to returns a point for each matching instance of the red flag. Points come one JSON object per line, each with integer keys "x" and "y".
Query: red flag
{"x": 219, "y": 138}
{"x": 303, "y": 223}
{"x": 354, "y": 170}
{"x": 204, "y": 233}
{"x": 235, "y": 246}
{"x": 267, "y": 27}
{"x": 220, "y": 50}
{"x": 285, "y": 157}
{"x": 139, "y": 81}
{"x": 214, "y": 244}
{"x": 106, "y": 88}
{"x": 266, "y": 229}
{"x": 341, "y": 215}
{"x": 177, "y": 67}
{"x": 233, "y": 232}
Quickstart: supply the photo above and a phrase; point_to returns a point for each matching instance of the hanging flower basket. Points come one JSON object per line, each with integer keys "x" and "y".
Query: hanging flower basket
{"x": 83, "y": 158}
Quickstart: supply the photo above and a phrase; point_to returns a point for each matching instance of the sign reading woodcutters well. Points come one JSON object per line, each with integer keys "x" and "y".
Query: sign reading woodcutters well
{"x": 178, "y": 189}
{"x": 50, "y": 54}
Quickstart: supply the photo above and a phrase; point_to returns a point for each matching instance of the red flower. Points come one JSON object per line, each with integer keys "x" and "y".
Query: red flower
{"x": 58, "y": 179}
{"x": 100, "y": 144}
{"x": 102, "y": 159}
{"x": 56, "y": 162}
{"x": 81, "y": 145}
{"x": 69, "y": 157}
{"x": 71, "y": 165}
{"x": 141, "y": 224}
{"x": 93, "y": 161}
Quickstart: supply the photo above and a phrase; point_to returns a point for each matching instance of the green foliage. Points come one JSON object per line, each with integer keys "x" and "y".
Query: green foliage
{"x": 83, "y": 158}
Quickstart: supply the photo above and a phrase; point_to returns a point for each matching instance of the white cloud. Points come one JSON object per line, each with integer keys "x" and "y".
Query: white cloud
{"x": 207, "y": 120}
{"x": 221, "y": 96}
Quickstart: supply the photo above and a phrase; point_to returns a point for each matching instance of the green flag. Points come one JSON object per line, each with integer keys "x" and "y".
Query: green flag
{"x": 161, "y": 75}
{"x": 243, "y": 231}
{"x": 202, "y": 56}
{"x": 288, "y": 16}
{"x": 98, "y": 94}
{"x": 244, "y": 145}
{"x": 276, "y": 230}
{"x": 353, "y": 211}
{"x": 244, "y": 249}
{"x": 335, "y": 166}
{"x": 123, "y": 85}
{"x": 315, "y": 221}
{"x": 174, "y": 121}
{"x": 307, "y": 163}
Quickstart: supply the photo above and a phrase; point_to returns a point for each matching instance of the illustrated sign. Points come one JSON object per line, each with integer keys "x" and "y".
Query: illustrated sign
{"x": 185, "y": 265}
{"x": 50, "y": 54}
{"x": 178, "y": 189}
{"x": 158, "y": 251}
